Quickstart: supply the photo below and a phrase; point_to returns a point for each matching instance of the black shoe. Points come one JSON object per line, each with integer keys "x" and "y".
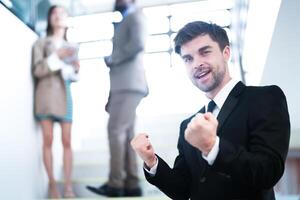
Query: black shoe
{"x": 106, "y": 190}
{"x": 135, "y": 192}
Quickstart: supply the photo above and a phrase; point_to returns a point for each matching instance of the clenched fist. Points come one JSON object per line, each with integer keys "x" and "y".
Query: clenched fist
{"x": 201, "y": 132}
{"x": 141, "y": 144}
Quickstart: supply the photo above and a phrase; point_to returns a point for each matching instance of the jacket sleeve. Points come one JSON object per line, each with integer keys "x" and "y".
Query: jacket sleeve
{"x": 260, "y": 164}
{"x": 136, "y": 40}
{"x": 175, "y": 182}
{"x": 40, "y": 67}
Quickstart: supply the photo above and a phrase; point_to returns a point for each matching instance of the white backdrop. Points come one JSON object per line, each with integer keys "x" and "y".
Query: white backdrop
{"x": 21, "y": 171}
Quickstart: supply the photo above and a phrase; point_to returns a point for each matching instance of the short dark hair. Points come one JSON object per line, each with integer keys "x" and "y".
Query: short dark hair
{"x": 197, "y": 28}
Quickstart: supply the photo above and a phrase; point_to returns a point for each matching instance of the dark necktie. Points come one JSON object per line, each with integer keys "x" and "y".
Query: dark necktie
{"x": 211, "y": 106}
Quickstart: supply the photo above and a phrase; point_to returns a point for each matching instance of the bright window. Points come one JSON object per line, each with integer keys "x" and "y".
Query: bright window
{"x": 170, "y": 89}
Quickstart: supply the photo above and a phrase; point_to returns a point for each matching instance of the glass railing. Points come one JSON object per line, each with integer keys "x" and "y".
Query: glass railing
{"x": 22, "y": 9}
{"x": 32, "y": 12}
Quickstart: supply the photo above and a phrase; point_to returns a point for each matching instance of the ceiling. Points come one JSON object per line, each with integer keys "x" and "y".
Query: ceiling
{"x": 87, "y": 7}
{"x": 82, "y": 7}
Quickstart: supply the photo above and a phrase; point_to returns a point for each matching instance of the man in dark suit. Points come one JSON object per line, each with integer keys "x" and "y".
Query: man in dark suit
{"x": 235, "y": 147}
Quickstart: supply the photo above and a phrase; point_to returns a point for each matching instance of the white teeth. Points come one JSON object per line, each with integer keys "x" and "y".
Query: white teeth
{"x": 202, "y": 74}
{"x": 199, "y": 75}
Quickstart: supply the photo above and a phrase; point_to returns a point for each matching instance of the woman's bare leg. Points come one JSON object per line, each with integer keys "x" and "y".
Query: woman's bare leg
{"x": 67, "y": 158}
{"x": 47, "y": 129}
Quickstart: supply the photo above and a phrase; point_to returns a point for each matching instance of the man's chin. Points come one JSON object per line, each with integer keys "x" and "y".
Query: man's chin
{"x": 204, "y": 88}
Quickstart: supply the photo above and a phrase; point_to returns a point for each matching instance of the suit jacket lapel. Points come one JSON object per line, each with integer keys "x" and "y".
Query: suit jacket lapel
{"x": 229, "y": 104}
{"x": 227, "y": 108}
{"x": 198, "y": 153}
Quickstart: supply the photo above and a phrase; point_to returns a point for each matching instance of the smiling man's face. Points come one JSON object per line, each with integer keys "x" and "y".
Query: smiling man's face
{"x": 206, "y": 63}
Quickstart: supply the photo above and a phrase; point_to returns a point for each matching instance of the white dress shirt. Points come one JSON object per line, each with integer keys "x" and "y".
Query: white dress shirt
{"x": 219, "y": 100}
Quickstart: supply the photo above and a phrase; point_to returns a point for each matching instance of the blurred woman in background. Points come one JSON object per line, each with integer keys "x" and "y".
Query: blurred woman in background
{"x": 55, "y": 66}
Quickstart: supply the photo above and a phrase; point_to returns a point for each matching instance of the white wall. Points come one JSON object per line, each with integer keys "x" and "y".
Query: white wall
{"x": 261, "y": 19}
{"x": 21, "y": 170}
{"x": 282, "y": 64}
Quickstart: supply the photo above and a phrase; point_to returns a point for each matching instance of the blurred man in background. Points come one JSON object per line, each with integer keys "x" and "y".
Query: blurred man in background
{"x": 128, "y": 86}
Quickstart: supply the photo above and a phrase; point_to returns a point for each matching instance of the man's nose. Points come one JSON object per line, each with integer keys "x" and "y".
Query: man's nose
{"x": 198, "y": 62}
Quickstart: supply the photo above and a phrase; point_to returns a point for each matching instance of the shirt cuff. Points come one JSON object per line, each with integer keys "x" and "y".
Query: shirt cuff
{"x": 68, "y": 73}
{"x": 151, "y": 171}
{"x": 54, "y": 62}
{"x": 212, "y": 155}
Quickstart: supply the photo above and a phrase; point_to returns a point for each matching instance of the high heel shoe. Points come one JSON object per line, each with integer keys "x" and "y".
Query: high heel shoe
{"x": 53, "y": 192}
{"x": 68, "y": 193}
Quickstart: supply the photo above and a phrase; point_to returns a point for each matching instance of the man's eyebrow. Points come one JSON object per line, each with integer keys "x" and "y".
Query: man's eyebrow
{"x": 186, "y": 56}
{"x": 205, "y": 48}
{"x": 199, "y": 50}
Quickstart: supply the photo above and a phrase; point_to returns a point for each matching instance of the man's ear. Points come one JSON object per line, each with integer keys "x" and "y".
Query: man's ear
{"x": 226, "y": 53}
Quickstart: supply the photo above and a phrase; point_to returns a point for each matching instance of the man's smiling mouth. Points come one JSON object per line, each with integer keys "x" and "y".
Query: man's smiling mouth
{"x": 201, "y": 74}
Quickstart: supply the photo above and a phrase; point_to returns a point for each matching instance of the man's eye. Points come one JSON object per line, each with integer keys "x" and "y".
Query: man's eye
{"x": 187, "y": 60}
{"x": 205, "y": 52}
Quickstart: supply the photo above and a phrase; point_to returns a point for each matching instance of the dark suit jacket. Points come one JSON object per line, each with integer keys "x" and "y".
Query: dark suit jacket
{"x": 254, "y": 132}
